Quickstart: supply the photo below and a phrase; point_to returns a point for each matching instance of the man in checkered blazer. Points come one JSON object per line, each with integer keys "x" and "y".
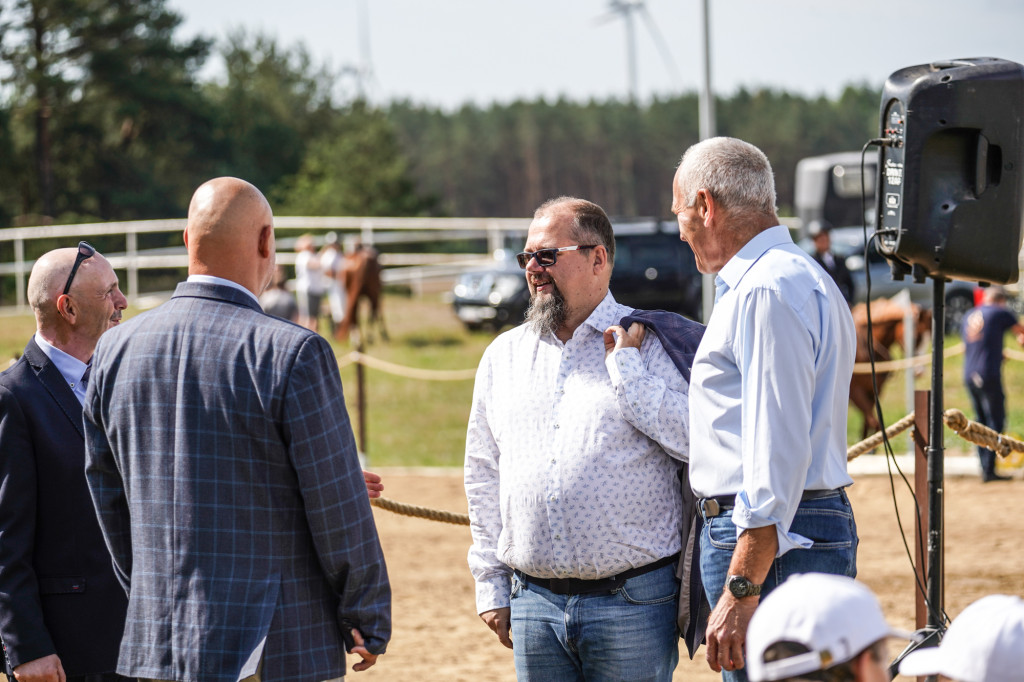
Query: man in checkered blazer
{"x": 222, "y": 465}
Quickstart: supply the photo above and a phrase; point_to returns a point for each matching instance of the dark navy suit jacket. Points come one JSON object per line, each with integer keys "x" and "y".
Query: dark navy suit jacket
{"x": 58, "y": 593}
{"x": 222, "y": 464}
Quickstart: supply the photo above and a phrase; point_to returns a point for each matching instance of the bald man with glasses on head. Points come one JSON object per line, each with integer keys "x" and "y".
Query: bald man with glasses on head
{"x": 62, "y": 609}
{"x": 577, "y": 438}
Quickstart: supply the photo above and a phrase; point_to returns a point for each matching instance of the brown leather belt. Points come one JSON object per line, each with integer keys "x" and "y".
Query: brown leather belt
{"x": 713, "y": 506}
{"x": 579, "y": 586}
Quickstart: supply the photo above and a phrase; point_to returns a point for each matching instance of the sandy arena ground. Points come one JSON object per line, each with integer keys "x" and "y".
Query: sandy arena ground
{"x": 439, "y": 638}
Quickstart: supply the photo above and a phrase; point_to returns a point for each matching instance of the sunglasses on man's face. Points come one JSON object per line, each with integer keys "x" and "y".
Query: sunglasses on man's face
{"x": 84, "y": 251}
{"x": 547, "y": 257}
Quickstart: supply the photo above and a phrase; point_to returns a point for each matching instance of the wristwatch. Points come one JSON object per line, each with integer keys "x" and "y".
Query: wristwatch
{"x": 742, "y": 587}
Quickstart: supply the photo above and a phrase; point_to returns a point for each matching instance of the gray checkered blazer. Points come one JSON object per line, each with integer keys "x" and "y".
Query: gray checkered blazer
{"x": 221, "y": 462}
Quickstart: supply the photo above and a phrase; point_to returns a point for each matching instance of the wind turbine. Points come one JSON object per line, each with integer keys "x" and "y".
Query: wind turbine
{"x": 626, "y": 8}
{"x": 362, "y": 73}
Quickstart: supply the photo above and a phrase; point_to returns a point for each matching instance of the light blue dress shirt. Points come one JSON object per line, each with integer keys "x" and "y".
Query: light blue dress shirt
{"x": 70, "y": 368}
{"x": 770, "y": 386}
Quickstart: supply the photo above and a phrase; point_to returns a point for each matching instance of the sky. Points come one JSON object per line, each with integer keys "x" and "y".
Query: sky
{"x": 452, "y": 52}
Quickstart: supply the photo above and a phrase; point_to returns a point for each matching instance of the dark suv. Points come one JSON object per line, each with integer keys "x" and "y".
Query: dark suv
{"x": 653, "y": 270}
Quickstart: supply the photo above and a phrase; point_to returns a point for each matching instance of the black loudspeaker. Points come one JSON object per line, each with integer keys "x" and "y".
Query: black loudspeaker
{"x": 951, "y": 177}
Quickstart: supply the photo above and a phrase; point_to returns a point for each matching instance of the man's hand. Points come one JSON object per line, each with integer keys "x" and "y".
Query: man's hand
{"x": 615, "y": 337}
{"x": 45, "y": 669}
{"x": 500, "y": 620}
{"x": 374, "y": 486}
{"x": 360, "y": 649}
{"x": 727, "y": 631}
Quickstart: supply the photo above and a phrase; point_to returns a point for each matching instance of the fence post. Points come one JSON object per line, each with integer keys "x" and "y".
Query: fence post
{"x": 19, "y": 274}
{"x": 922, "y": 528}
{"x": 131, "y": 243}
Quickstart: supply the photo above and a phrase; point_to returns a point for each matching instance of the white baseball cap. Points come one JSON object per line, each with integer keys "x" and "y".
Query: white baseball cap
{"x": 834, "y": 616}
{"x": 985, "y": 643}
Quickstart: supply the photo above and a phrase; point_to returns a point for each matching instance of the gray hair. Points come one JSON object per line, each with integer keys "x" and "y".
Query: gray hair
{"x": 590, "y": 224}
{"x": 736, "y": 174}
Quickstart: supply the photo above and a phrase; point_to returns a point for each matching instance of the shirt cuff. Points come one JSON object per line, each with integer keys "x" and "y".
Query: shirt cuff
{"x": 493, "y": 594}
{"x": 623, "y": 363}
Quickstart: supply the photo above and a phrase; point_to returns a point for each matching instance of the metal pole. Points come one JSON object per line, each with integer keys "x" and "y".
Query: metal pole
{"x": 936, "y": 472}
{"x": 631, "y": 52}
{"x": 707, "y": 129}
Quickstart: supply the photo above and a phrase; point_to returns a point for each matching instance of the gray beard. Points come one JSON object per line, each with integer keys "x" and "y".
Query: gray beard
{"x": 546, "y": 315}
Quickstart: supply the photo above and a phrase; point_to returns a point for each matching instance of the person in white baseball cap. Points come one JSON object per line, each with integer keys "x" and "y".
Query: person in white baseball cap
{"x": 819, "y": 627}
{"x": 985, "y": 643}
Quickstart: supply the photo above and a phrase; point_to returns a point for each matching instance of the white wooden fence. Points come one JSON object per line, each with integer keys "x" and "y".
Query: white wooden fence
{"x": 411, "y": 268}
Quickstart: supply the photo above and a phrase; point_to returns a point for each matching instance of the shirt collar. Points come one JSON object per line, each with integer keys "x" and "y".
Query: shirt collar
{"x": 731, "y": 274}
{"x": 604, "y": 315}
{"x": 211, "y": 279}
{"x": 70, "y": 367}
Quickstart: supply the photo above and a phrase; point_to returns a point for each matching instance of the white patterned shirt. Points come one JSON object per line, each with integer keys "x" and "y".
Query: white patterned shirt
{"x": 572, "y": 461}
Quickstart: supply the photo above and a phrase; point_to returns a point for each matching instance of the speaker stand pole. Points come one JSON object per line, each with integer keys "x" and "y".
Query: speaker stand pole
{"x": 930, "y": 556}
{"x": 936, "y": 472}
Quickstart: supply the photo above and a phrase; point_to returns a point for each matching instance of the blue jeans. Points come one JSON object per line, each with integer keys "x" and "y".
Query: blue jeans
{"x": 628, "y": 634}
{"x": 828, "y": 521}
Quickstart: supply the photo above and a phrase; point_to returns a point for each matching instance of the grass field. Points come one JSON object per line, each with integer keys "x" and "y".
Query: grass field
{"x": 416, "y": 422}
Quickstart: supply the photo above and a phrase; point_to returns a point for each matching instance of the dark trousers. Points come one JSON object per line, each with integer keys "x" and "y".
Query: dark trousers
{"x": 101, "y": 677}
{"x": 990, "y": 408}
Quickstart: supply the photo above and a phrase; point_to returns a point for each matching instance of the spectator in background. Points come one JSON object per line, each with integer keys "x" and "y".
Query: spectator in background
{"x": 277, "y": 300}
{"x": 832, "y": 264}
{"x": 62, "y": 609}
{"x": 985, "y": 643}
{"x": 817, "y": 626}
{"x": 982, "y": 330}
{"x": 309, "y": 282}
{"x": 332, "y": 265}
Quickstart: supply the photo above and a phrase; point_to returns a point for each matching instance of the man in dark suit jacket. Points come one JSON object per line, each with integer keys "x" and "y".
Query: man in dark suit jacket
{"x": 829, "y": 262}
{"x": 222, "y": 465}
{"x": 61, "y": 608}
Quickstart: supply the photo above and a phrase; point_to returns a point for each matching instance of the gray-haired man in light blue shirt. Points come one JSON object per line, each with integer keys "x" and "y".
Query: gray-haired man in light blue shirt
{"x": 768, "y": 396}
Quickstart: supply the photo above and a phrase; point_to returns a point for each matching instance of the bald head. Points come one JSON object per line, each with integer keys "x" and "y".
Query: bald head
{"x": 46, "y": 282}
{"x": 230, "y": 233}
{"x": 74, "y": 322}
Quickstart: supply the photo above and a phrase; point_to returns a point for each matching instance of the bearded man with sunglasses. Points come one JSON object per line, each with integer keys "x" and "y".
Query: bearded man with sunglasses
{"x": 62, "y": 609}
{"x": 576, "y": 439}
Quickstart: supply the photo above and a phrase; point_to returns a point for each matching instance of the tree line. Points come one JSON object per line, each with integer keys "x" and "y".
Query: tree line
{"x": 104, "y": 116}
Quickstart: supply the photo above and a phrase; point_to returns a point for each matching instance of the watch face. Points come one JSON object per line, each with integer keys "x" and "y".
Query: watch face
{"x": 742, "y": 587}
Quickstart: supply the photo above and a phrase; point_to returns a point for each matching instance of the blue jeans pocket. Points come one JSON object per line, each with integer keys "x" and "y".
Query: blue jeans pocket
{"x": 722, "y": 532}
{"x": 656, "y": 587}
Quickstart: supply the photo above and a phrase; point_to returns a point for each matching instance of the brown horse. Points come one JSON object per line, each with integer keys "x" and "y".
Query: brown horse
{"x": 887, "y": 331}
{"x": 361, "y": 276}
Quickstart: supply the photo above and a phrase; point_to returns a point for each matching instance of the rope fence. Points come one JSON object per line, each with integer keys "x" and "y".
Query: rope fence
{"x": 466, "y": 374}
{"x": 969, "y": 430}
